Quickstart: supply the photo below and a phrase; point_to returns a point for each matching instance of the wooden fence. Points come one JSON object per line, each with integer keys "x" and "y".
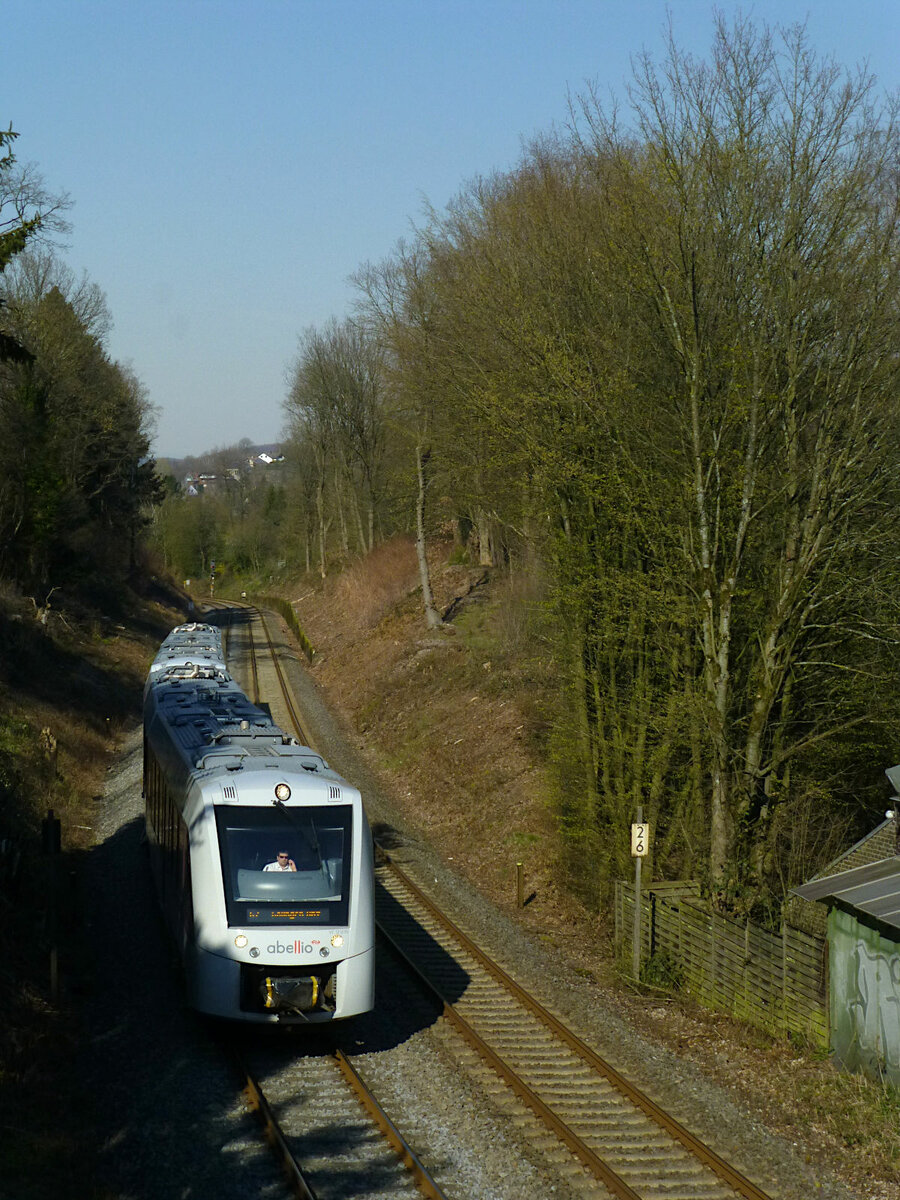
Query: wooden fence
{"x": 779, "y": 983}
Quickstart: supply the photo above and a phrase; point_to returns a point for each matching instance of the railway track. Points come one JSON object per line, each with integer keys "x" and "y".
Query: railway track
{"x": 319, "y": 1094}
{"x": 617, "y": 1133}
{"x": 621, "y": 1142}
{"x": 330, "y": 1133}
{"x": 297, "y": 1179}
{"x": 237, "y": 644}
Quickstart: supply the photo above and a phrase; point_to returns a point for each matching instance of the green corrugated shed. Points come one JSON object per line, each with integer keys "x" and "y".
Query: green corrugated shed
{"x": 865, "y": 996}
{"x": 863, "y": 897}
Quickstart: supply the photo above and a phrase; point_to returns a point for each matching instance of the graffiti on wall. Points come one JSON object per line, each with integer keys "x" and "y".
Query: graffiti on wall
{"x": 866, "y": 1000}
{"x": 876, "y": 1012}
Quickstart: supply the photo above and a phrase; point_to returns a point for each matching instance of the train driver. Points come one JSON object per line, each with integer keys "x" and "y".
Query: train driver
{"x": 283, "y": 862}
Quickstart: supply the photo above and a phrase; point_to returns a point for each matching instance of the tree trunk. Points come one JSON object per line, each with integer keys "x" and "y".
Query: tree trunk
{"x": 432, "y": 616}
{"x": 320, "y": 513}
{"x": 342, "y": 519}
{"x": 485, "y": 547}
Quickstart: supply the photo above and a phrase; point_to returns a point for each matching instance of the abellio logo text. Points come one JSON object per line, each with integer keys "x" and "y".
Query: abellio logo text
{"x": 290, "y": 948}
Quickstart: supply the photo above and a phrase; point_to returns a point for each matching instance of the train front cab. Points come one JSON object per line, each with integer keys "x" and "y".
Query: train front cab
{"x": 299, "y": 945}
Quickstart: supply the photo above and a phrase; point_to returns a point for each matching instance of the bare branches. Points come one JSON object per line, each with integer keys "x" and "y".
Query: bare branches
{"x": 27, "y": 207}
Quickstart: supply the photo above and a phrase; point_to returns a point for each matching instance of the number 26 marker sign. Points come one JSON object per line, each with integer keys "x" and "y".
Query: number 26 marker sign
{"x": 640, "y": 840}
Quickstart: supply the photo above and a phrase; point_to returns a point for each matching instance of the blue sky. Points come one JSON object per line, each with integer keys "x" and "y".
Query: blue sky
{"x": 232, "y": 163}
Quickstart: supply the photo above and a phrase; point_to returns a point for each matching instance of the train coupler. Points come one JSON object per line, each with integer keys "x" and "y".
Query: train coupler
{"x": 286, "y": 992}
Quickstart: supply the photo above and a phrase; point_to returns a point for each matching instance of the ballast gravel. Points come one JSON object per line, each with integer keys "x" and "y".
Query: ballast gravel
{"x": 163, "y": 1115}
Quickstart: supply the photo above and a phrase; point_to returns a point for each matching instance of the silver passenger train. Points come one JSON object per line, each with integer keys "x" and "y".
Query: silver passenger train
{"x": 194, "y": 643}
{"x": 261, "y": 854}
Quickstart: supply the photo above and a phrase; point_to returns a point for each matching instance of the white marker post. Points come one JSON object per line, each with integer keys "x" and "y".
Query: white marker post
{"x": 640, "y": 844}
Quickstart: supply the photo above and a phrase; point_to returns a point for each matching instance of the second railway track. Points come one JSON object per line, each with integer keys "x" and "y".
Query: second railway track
{"x": 617, "y": 1133}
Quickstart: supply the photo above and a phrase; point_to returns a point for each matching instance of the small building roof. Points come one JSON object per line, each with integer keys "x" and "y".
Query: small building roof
{"x": 873, "y": 889}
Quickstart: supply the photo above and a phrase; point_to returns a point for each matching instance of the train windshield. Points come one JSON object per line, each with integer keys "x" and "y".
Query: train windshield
{"x": 285, "y": 866}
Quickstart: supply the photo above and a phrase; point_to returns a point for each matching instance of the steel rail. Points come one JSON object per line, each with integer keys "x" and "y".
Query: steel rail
{"x": 233, "y": 606}
{"x": 726, "y": 1172}
{"x": 254, "y": 673}
{"x": 223, "y": 606}
{"x": 616, "y": 1184}
{"x": 260, "y": 1105}
{"x": 286, "y": 692}
{"x": 423, "y": 1180}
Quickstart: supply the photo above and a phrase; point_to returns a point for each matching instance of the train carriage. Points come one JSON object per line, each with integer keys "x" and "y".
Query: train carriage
{"x": 262, "y": 937}
{"x": 188, "y": 645}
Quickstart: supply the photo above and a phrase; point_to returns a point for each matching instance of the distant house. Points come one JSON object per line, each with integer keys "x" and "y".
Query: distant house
{"x": 862, "y": 892}
{"x": 244, "y": 457}
{"x": 266, "y": 456}
{"x": 194, "y": 485}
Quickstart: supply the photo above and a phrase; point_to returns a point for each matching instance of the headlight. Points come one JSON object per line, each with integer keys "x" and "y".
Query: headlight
{"x": 282, "y": 792}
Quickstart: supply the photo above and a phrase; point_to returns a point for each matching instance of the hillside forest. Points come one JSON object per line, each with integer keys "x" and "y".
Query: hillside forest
{"x": 650, "y": 375}
{"x": 76, "y": 476}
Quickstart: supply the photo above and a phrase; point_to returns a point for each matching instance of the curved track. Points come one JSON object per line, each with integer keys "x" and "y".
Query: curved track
{"x": 630, "y": 1146}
